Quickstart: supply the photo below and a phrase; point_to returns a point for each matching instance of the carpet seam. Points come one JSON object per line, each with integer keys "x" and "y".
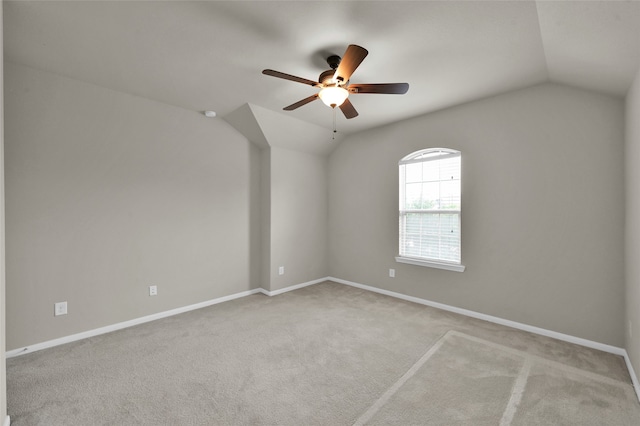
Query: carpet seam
{"x": 516, "y": 393}
{"x": 384, "y": 398}
{"x": 541, "y": 360}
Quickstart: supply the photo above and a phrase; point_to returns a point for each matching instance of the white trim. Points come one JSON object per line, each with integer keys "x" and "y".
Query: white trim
{"x": 450, "y": 153}
{"x": 7, "y": 421}
{"x": 513, "y": 324}
{"x": 153, "y": 317}
{"x": 429, "y": 211}
{"x": 632, "y": 373}
{"x": 126, "y": 324}
{"x": 292, "y": 287}
{"x": 536, "y": 330}
{"x": 431, "y": 264}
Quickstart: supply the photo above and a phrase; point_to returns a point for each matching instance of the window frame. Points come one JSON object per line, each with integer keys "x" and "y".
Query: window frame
{"x": 419, "y": 157}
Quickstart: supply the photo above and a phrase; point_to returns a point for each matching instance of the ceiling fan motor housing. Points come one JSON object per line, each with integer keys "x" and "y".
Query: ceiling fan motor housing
{"x": 326, "y": 78}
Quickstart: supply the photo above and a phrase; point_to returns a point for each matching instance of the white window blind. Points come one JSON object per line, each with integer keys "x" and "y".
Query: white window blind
{"x": 430, "y": 205}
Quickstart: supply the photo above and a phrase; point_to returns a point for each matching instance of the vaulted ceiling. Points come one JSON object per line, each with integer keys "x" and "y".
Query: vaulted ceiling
{"x": 209, "y": 55}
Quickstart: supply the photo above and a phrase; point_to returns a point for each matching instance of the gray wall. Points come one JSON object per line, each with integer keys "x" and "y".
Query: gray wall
{"x": 3, "y": 367}
{"x": 632, "y": 222}
{"x": 542, "y": 210}
{"x": 293, "y": 194}
{"x": 265, "y": 218}
{"x": 109, "y": 193}
{"x": 299, "y": 217}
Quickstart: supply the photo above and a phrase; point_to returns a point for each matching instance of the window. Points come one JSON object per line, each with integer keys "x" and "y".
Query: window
{"x": 430, "y": 208}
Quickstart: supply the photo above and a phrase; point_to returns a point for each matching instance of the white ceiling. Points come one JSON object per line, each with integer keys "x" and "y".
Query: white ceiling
{"x": 209, "y": 55}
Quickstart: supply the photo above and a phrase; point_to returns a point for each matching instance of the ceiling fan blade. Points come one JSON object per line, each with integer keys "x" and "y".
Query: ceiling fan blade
{"x": 300, "y": 103}
{"x": 348, "y": 110}
{"x": 349, "y": 62}
{"x": 290, "y": 77}
{"x": 388, "y": 88}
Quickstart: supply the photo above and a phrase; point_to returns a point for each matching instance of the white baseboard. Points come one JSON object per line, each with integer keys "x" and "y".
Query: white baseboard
{"x": 153, "y": 317}
{"x": 465, "y": 312}
{"x": 632, "y": 373}
{"x": 126, "y": 324}
{"x": 517, "y": 325}
{"x": 292, "y": 287}
{"x": 7, "y": 421}
{"x": 513, "y": 324}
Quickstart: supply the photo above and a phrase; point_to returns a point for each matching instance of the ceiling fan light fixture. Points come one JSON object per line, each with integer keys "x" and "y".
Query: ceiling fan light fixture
{"x": 333, "y": 96}
{"x": 332, "y": 83}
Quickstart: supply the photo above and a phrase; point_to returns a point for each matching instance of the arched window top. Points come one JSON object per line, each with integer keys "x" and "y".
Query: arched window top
{"x": 429, "y": 154}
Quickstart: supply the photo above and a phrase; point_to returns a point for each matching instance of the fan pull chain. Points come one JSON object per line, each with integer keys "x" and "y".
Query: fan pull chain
{"x": 334, "y": 123}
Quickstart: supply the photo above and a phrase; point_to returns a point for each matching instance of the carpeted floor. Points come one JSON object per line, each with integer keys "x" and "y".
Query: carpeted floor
{"x": 327, "y": 354}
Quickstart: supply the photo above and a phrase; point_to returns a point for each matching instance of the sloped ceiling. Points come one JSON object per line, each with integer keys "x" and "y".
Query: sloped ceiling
{"x": 209, "y": 55}
{"x": 594, "y": 45}
{"x": 267, "y": 128}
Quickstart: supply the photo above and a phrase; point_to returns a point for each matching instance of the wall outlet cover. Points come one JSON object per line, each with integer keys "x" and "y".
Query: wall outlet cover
{"x": 60, "y": 308}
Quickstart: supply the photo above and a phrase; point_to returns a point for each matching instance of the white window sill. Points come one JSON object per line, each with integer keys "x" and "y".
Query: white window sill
{"x": 431, "y": 264}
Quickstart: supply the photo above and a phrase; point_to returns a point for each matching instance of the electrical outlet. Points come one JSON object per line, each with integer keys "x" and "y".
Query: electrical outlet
{"x": 281, "y": 270}
{"x": 60, "y": 308}
{"x": 153, "y": 290}
{"x": 392, "y": 273}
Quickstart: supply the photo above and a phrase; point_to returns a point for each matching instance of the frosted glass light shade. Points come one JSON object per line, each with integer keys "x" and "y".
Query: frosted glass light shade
{"x": 333, "y": 96}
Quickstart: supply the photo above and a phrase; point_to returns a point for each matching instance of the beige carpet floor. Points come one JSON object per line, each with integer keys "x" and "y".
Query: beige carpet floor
{"x": 327, "y": 354}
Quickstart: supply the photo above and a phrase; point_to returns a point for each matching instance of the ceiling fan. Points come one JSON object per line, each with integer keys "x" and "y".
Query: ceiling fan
{"x": 334, "y": 84}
